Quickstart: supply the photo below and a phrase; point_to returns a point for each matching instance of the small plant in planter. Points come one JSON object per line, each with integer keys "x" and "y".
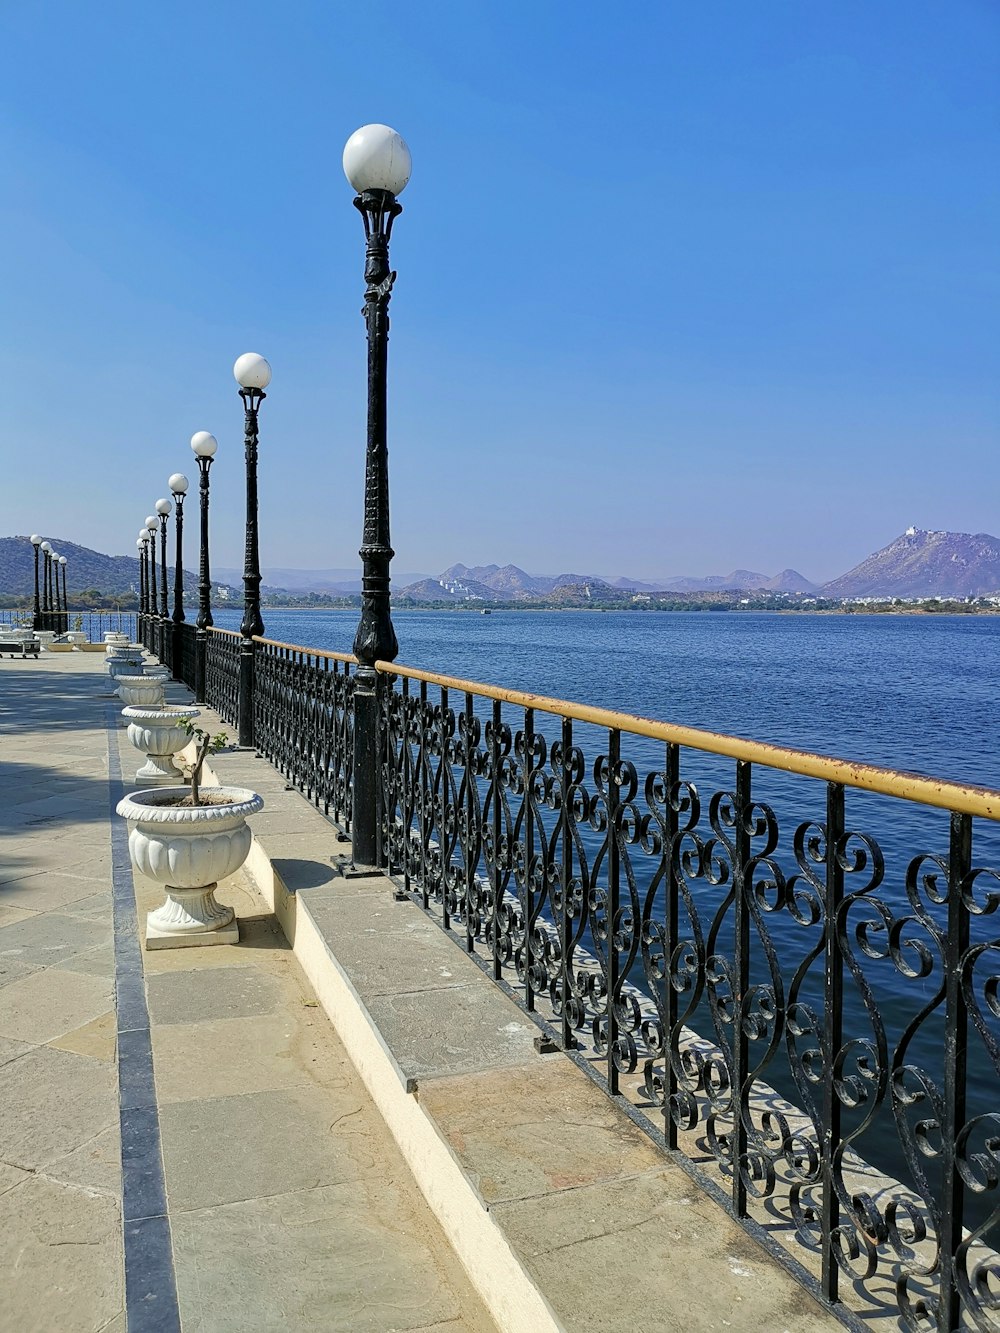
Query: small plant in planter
{"x": 205, "y": 744}
{"x": 187, "y": 839}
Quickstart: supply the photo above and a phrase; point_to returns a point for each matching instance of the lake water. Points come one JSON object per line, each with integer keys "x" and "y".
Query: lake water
{"x": 910, "y": 692}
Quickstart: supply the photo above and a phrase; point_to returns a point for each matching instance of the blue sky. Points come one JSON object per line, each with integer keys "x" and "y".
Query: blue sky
{"x": 681, "y": 286}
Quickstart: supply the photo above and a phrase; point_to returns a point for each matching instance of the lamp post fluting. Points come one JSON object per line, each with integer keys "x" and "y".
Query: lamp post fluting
{"x": 36, "y": 620}
{"x": 140, "y": 546}
{"x": 47, "y": 585}
{"x": 152, "y": 527}
{"x": 377, "y": 164}
{"x": 204, "y": 446}
{"x": 178, "y": 484}
{"x": 164, "y": 508}
{"x": 142, "y": 543}
{"x": 253, "y": 375}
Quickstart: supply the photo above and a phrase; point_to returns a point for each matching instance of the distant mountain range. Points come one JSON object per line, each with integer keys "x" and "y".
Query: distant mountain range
{"x": 915, "y": 564}
{"x": 337, "y": 582}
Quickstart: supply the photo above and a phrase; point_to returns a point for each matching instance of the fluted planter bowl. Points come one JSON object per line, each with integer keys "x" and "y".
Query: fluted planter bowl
{"x": 188, "y": 849}
{"x": 159, "y": 733}
{"x": 123, "y": 666}
{"x": 140, "y": 691}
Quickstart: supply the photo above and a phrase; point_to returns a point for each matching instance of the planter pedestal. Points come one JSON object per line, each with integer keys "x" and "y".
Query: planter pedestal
{"x": 159, "y": 733}
{"x": 191, "y": 917}
{"x": 187, "y": 850}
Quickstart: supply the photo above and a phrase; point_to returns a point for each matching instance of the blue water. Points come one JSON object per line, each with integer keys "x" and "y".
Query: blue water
{"x": 909, "y": 692}
{"x": 912, "y": 692}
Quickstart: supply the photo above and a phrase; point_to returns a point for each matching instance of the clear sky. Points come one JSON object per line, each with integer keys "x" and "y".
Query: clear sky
{"x": 682, "y": 286}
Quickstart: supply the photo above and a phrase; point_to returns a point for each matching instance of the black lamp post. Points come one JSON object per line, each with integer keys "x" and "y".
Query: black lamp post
{"x": 54, "y": 579}
{"x": 56, "y": 595}
{"x": 59, "y": 567}
{"x": 36, "y": 620}
{"x": 152, "y": 527}
{"x": 178, "y": 484}
{"x": 253, "y": 375}
{"x": 140, "y": 546}
{"x": 164, "y": 509}
{"x": 204, "y": 446}
{"x": 377, "y": 163}
{"x": 47, "y": 586}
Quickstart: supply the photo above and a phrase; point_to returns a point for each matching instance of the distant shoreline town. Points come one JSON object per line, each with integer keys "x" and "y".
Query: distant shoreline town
{"x": 919, "y": 572}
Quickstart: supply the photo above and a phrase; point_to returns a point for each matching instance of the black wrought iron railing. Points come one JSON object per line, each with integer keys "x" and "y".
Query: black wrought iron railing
{"x": 303, "y": 721}
{"x": 222, "y": 674}
{"x": 94, "y": 624}
{"x": 185, "y": 653}
{"x": 785, "y": 967}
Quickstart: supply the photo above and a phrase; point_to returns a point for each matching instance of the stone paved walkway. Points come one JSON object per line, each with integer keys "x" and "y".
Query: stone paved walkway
{"x": 287, "y": 1205}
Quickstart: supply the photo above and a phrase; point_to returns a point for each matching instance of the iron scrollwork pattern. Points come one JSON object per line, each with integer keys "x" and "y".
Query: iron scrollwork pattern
{"x": 812, "y": 1011}
{"x": 222, "y": 674}
{"x": 185, "y": 637}
{"x": 303, "y": 722}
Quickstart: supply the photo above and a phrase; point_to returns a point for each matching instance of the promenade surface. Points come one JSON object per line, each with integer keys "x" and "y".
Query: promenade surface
{"x": 183, "y": 1140}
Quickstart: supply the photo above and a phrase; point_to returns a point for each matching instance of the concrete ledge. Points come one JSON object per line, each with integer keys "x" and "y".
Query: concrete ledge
{"x": 564, "y": 1214}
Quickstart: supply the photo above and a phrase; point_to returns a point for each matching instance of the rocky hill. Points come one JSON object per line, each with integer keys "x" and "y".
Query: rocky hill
{"x": 109, "y": 574}
{"x": 925, "y": 564}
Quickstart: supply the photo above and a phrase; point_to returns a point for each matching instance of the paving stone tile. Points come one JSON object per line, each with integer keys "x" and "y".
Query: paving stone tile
{"x": 53, "y": 1102}
{"x": 485, "y": 1030}
{"x": 585, "y": 1247}
{"x": 229, "y": 1148}
{"x": 63, "y": 1244}
{"x": 11, "y": 971}
{"x": 11, "y": 1176}
{"x": 238, "y": 1055}
{"x": 97, "y": 905}
{"x": 51, "y": 937}
{"x": 99, "y": 962}
{"x": 13, "y": 1050}
{"x": 273, "y": 1256}
{"x": 10, "y": 916}
{"x": 535, "y": 1128}
{"x": 96, "y": 1164}
{"x": 96, "y": 1039}
{"x": 47, "y": 1004}
{"x": 389, "y": 947}
{"x": 212, "y": 993}
{"x": 45, "y": 892}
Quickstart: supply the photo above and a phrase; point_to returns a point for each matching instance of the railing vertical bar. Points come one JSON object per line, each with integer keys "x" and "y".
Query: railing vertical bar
{"x": 565, "y": 882}
{"x": 406, "y": 786}
{"x": 471, "y": 840}
{"x": 422, "y": 764}
{"x": 741, "y": 961}
{"x": 443, "y": 774}
{"x": 495, "y": 869}
{"x": 671, "y": 894}
{"x": 529, "y": 851}
{"x": 949, "y": 1313}
{"x": 614, "y": 905}
{"x": 833, "y": 1010}
{"x": 381, "y": 743}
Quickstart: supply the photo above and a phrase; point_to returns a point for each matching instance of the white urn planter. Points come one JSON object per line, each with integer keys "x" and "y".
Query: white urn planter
{"x": 159, "y": 733}
{"x": 140, "y": 691}
{"x": 188, "y": 849}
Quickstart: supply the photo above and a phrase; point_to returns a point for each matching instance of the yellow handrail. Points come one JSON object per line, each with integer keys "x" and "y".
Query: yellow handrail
{"x": 967, "y": 800}
{"x": 214, "y": 629}
{"x": 299, "y": 648}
